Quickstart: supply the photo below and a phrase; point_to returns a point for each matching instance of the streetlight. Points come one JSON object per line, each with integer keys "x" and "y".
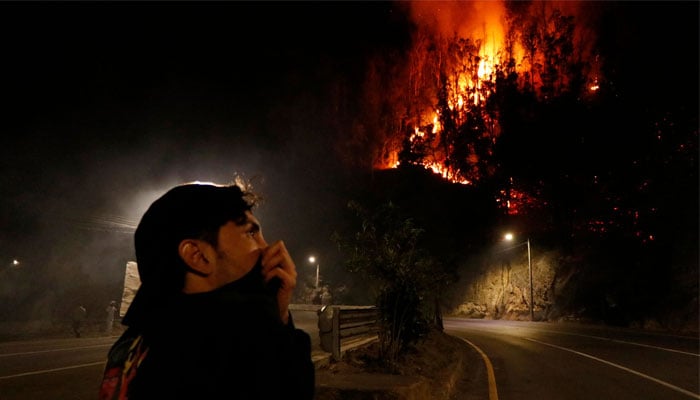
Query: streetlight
{"x": 312, "y": 260}
{"x": 509, "y": 237}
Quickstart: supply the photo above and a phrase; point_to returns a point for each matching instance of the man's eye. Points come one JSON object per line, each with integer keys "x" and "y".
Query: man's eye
{"x": 253, "y": 232}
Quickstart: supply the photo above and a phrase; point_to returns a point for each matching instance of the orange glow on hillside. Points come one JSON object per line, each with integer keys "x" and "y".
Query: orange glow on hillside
{"x": 460, "y": 49}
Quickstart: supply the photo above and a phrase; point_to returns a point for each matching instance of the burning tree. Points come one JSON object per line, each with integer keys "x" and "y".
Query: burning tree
{"x": 468, "y": 62}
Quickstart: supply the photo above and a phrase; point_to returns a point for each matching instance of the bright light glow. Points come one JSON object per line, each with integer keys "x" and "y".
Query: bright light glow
{"x": 312, "y": 259}
{"x": 203, "y": 183}
{"x": 508, "y": 236}
{"x": 15, "y": 262}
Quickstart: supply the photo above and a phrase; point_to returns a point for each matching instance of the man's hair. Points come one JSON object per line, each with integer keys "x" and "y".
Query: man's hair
{"x": 188, "y": 211}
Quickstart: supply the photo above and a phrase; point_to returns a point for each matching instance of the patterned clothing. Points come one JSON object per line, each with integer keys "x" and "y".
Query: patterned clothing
{"x": 124, "y": 359}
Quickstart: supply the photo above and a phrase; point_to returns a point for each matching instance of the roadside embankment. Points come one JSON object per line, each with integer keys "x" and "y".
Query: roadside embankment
{"x": 431, "y": 370}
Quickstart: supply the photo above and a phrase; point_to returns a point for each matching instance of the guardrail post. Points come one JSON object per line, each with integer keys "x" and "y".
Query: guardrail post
{"x": 336, "y": 333}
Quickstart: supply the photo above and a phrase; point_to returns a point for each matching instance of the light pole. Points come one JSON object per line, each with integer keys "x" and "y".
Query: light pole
{"x": 509, "y": 237}
{"x": 312, "y": 260}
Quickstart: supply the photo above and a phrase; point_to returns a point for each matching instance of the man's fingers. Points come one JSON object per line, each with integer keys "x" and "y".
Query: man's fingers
{"x": 288, "y": 280}
{"x": 276, "y": 256}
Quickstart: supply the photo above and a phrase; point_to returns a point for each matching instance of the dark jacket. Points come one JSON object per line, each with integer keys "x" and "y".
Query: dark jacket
{"x": 221, "y": 344}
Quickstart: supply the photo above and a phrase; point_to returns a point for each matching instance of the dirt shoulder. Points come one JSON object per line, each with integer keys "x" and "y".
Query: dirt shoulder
{"x": 435, "y": 368}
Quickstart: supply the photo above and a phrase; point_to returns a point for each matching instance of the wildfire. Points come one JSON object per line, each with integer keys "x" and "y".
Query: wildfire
{"x": 461, "y": 51}
{"x": 515, "y": 200}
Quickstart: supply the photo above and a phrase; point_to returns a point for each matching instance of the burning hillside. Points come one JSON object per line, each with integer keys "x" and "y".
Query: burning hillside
{"x": 442, "y": 106}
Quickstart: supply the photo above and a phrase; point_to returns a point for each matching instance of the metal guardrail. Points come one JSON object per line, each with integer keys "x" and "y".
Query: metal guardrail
{"x": 339, "y": 325}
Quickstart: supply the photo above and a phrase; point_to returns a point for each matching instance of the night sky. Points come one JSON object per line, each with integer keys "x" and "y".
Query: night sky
{"x": 107, "y": 105}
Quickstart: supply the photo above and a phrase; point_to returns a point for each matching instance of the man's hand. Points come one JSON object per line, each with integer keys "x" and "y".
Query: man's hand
{"x": 277, "y": 263}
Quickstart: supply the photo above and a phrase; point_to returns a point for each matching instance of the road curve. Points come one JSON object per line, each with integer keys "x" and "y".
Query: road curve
{"x": 538, "y": 360}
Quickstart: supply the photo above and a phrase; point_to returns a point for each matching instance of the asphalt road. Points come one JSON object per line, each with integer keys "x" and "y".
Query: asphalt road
{"x": 52, "y": 369}
{"x": 71, "y": 368}
{"x": 531, "y": 360}
{"x": 523, "y": 360}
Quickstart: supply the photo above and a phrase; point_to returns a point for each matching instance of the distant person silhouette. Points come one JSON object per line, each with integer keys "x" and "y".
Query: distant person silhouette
{"x": 78, "y": 319}
{"x": 110, "y": 311}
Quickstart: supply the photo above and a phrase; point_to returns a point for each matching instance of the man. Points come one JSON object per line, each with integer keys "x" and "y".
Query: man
{"x": 211, "y": 318}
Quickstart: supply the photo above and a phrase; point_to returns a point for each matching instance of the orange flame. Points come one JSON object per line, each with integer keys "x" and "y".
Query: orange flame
{"x": 459, "y": 48}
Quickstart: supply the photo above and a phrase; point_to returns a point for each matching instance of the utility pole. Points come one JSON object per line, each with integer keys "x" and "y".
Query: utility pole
{"x": 529, "y": 268}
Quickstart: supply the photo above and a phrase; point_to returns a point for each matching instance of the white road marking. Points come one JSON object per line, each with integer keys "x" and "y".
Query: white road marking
{"x": 645, "y": 376}
{"x": 53, "y": 350}
{"x": 44, "y": 371}
{"x": 622, "y": 341}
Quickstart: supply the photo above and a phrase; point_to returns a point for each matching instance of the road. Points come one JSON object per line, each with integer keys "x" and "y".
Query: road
{"x": 52, "y": 369}
{"x": 524, "y": 360}
{"x": 71, "y": 368}
{"x": 536, "y": 360}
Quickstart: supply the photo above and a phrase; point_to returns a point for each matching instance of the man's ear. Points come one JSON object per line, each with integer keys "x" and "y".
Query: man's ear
{"x": 192, "y": 253}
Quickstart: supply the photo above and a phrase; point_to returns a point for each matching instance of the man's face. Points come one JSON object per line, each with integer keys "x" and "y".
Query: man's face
{"x": 238, "y": 250}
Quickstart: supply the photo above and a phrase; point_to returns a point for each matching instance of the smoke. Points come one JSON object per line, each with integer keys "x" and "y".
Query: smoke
{"x": 465, "y": 19}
